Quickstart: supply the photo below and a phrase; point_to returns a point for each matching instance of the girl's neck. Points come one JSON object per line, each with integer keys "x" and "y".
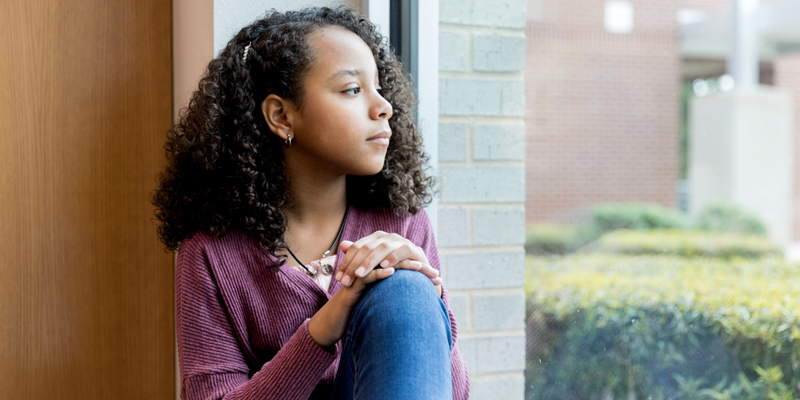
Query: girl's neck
{"x": 315, "y": 204}
{"x": 319, "y": 200}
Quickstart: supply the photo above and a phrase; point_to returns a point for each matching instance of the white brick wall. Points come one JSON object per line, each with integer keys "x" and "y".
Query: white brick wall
{"x": 452, "y": 142}
{"x": 475, "y": 97}
{"x": 475, "y": 183}
{"x": 496, "y": 13}
{"x": 498, "y": 53}
{"x": 498, "y": 142}
{"x": 452, "y": 51}
{"x": 482, "y": 187}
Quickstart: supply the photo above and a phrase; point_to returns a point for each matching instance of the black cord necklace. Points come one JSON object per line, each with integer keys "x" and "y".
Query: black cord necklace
{"x": 327, "y": 269}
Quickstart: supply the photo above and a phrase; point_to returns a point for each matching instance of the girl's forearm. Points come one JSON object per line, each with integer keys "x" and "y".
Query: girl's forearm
{"x": 328, "y": 325}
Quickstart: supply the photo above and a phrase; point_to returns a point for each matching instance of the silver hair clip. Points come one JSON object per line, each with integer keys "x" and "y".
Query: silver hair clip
{"x": 246, "y": 50}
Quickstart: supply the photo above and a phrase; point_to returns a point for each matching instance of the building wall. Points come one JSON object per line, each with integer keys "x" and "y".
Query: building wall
{"x": 783, "y": 72}
{"x": 716, "y": 5}
{"x": 787, "y": 76}
{"x": 602, "y": 109}
{"x": 482, "y": 187}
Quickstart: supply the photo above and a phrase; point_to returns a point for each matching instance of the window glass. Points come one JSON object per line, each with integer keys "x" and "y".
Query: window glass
{"x": 661, "y": 174}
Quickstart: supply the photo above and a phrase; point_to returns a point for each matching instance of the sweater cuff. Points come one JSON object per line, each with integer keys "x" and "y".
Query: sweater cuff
{"x": 332, "y": 350}
{"x": 324, "y": 352}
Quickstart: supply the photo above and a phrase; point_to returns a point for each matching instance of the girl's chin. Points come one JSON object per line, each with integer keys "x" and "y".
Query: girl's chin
{"x": 368, "y": 173}
{"x": 368, "y": 170}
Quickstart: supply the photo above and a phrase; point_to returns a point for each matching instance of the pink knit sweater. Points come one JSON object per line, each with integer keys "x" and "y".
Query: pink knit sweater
{"x": 242, "y": 327}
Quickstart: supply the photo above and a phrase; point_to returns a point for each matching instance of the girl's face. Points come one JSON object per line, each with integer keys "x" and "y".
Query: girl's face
{"x": 343, "y": 125}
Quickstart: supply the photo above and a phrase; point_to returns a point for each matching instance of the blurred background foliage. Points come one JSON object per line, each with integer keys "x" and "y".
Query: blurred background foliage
{"x": 561, "y": 239}
{"x": 642, "y": 302}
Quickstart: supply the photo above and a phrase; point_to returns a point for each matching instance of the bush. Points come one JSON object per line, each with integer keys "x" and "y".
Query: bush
{"x": 687, "y": 244}
{"x": 662, "y": 327}
{"x": 637, "y": 216}
{"x": 555, "y": 239}
{"x": 547, "y": 239}
{"x": 729, "y": 218}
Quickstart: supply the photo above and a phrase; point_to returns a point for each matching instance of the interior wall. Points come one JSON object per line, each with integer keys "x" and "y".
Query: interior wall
{"x": 231, "y": 15}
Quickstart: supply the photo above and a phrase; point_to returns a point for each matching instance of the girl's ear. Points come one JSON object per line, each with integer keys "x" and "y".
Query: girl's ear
{"x": 275, "y": 110}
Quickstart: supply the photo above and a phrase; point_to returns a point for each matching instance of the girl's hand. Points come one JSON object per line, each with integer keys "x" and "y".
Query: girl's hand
{"x": 388, "y": 250}
{"x": 328, "y": 325}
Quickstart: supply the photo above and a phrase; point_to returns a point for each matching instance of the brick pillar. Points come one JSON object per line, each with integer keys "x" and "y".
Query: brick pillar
{"x": 482, "y": 187}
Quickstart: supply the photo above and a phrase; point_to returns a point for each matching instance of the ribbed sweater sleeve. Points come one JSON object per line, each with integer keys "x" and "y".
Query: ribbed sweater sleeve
{"x": 212, "y": 363}
{"x": 422, "y": 225}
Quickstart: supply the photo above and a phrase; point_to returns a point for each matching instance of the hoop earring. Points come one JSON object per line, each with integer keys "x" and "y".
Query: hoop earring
{"x": 288, "y": 141}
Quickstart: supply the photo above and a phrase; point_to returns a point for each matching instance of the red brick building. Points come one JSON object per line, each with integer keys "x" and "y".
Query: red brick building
{"x": 603, "y": 109}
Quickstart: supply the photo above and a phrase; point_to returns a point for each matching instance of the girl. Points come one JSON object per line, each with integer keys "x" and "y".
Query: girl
{"x": 300, "y": 142}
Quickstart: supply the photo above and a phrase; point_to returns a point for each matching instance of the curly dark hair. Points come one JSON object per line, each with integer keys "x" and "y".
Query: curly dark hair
{"x": 225, "y": 168}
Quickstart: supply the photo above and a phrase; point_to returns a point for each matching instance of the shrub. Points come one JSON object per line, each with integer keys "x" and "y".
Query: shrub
{"x": 548, "y": 238}
{"x": 687, "y": 244}
{"x": 662, "y": 327}
{"x": 555, "y": 239}
{"x": 637, "y": 216}
{"x": 729, "y": 218}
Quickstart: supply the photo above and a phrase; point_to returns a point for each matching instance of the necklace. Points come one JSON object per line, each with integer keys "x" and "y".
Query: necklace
{"x": 326, "y": 269}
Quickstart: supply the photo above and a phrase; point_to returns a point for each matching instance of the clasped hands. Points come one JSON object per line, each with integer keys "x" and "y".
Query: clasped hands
{"x": 357, "y": 270}
{"x": 387, "y": 250}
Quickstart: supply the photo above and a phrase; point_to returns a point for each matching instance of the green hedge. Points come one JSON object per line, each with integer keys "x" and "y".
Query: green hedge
{"x": 637, "y": 216}
{"x": 549, "y": 238}
{"x": 662, "y": 327}
{"x": 729, "y": 218}
{"x": 686, "y": 244}
{"x": 541, "y": 239}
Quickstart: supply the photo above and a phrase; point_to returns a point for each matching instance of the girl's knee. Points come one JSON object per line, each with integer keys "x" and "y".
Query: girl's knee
{"x": 404, "y": 293}
{"x": 404, "y": 302}
{"x": 405, "y": 284}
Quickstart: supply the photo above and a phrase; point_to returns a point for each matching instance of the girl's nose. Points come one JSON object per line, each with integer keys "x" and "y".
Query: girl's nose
{"x": 381, "y": 109}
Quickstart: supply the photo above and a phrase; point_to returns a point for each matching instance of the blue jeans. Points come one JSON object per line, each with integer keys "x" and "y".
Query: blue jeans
{"x": 397, "y": 344}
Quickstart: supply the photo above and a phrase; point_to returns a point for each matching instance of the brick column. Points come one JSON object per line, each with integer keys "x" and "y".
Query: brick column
{"x": 482, "y": 187}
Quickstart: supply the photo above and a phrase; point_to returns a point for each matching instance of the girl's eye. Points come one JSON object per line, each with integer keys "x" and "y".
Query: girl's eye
{"x": 353, "y": 91}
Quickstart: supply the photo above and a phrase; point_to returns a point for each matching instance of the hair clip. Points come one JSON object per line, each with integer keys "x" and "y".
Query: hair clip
{"x": 246, "y": 50}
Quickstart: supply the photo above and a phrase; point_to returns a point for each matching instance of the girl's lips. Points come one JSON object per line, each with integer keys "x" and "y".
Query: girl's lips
{"x": 381, "y": 138}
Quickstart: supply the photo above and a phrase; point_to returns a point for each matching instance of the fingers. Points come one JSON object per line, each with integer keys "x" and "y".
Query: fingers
{"x": 437, "y": 283}
{"x": 382, "y": 273}
{"x": 407, "y": 251}
{"x": 372, "y": 277}
{"x": 366, "y": 258}
{"x": 380, "y": 249}
{"x": 363, "y": 256}
{"x": 347, "y": 246}
{"x": 413, "y": 265}
{"x": 426, "y": 269}
{"x": 370, "y": 255}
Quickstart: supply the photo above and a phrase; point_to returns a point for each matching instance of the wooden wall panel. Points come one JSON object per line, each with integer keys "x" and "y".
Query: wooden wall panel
{"x": 86, "y": 305}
